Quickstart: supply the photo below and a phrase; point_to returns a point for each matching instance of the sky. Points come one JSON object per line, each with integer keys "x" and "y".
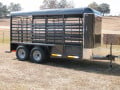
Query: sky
{"x": 33, "y": 5}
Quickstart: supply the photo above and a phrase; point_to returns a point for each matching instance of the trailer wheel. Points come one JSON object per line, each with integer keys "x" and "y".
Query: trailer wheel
{"x": 22, "y": 53}
{"x": 37, "y": 55}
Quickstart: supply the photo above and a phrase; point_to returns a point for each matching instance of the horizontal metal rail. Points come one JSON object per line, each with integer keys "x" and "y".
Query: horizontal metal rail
{"x": 48, "y": 29}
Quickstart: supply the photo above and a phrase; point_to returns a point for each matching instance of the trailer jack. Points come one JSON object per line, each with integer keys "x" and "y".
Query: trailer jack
{"x": 109, "y": 57}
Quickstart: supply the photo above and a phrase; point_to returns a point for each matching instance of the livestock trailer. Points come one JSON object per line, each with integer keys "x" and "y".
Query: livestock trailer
{"x": 61, "y": 33}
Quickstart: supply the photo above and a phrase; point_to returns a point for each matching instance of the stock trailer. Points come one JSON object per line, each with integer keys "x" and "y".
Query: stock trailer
{"x": 60, "y": 33}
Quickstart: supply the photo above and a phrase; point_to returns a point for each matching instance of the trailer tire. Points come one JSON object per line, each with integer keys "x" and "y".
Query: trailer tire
{"x": 37, "y": 55}
{"x": 22, "y": 53}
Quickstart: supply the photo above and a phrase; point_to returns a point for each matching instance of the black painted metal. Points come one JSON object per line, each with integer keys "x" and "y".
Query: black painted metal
{"x": 10, "y": 32}
{"x": 89, "y": 23}
{"x": 46, "y": 30}
{"x": 61, "y": 29}
{"x": 68, "y": 11}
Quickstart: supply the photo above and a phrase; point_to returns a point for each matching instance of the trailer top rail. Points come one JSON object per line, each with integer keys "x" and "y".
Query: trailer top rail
{"x": 57, "y": 12}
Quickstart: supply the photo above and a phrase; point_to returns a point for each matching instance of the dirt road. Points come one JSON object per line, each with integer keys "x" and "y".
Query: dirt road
{"x": 56, "y": 74}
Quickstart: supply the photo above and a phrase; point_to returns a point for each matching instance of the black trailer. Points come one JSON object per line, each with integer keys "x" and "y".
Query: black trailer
{"x": 61, "y": 33}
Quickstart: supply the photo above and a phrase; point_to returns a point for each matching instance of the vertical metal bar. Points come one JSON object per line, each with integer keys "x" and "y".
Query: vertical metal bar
{"x": 21, "y": 30}
{"x": 82, "y": 29}
{"x": 84, "y": 25}
{"x": 79, "y": 29}
{"x": 54, "y": 28}
{"x": 18, "y": 31}
{"x": 11, "y": 33}
{"x": 26, "y": 30}
{"x": 71, "y": 33}
{"x": 46, "y": 29}
{"x": 82, "y": 35}
{"x": 111, "y": 49}
{"x": 35, "y": 25}
{"x": 111, "y": 56}
{"x": 63, "y": 29}
{"x": 38, "y": 32}
{"x": 32, "y": 29}
{"x": 58, "y": 23}
{"x": 63, "y": 35}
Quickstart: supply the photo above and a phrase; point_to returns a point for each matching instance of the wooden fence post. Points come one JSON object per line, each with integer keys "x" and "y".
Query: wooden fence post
{"x": 3, "y": 38}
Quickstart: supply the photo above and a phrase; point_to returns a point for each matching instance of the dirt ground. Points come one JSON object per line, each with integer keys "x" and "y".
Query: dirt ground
{"x": 4, "y": 22}
{"x": 57, "y": 74}
{"x": 111, "y": 23}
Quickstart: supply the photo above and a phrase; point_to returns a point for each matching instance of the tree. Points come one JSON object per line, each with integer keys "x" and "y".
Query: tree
{"x": 103, "y": 8}
{"x": 94, "y": 5}
{"x": 3, "y": 10}
{"x": 49, "y": 4}
{"x": 1, "y": 5}
{"x": 14, "y": 7}
{"x": 65, "y": 4}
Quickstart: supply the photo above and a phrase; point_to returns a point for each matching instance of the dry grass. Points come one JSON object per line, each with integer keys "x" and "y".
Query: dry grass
{"x": 105, "y": 50}
{"x": 108, "y": 23}
{"x": 4, "y": 22}
{"x": 4, "y": 31}
{"x": 4, "y": 36}
{"x": 111, "y": 23}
